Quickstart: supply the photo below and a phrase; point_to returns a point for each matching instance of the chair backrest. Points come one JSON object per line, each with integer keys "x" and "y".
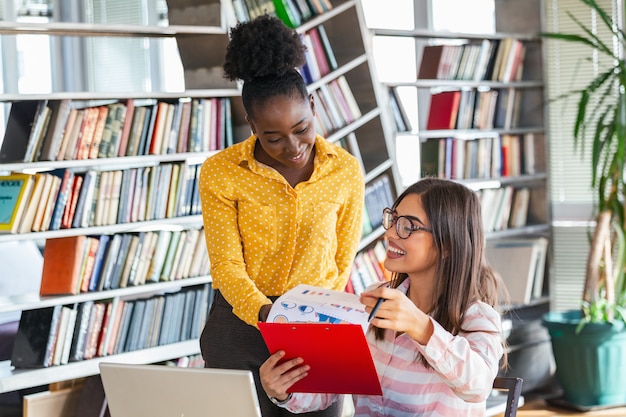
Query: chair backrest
{"x": 513, "y": 388}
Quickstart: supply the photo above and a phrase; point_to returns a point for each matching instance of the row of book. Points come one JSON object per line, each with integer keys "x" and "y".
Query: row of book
{"x": 67, "y": 333}
{"x": 368, "y": 268}
{"x": 494, "y": 60}
{"x": 47, "y": 130}
{"x": 473, "y": 109}
{"x": 481, "y": 158}
{"x": 292, "y": 12}
{"x": 319, "y": 55}
{"x": 63, "y": 199}
{"x": 335, "y": 106}
{"x": 521, "y": 262}
{"x": 79, "y": 264}
{"x": 378, "y": 195}
{"x": 505, "y": 208}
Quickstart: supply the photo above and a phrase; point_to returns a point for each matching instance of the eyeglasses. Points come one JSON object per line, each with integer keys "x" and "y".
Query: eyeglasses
{"x": 404, "y": 224}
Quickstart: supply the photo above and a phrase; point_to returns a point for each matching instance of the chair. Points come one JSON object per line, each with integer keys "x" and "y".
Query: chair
{"x": 513, "y": 388}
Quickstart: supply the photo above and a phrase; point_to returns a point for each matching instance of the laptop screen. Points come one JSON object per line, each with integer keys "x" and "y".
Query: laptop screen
{"x": 169, "y": 391}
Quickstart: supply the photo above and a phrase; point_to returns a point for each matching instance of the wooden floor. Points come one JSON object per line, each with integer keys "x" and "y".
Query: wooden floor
{"x": 539, "y": 408}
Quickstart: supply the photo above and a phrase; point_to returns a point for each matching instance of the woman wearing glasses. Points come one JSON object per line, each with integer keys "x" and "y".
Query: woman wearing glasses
{"x": 436, "y": 339}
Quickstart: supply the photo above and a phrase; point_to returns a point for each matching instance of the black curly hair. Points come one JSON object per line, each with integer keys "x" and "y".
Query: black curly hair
{"x": 264, "y": 54}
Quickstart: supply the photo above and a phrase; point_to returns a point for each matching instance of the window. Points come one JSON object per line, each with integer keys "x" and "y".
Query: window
{"x": 570, "y": 175}
{"x": 45, "y": 64}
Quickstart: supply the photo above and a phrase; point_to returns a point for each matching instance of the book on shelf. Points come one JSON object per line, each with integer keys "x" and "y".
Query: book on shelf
{"x": 443, "y": 111}
{"x": 349, "y": 97}
{"x": 287, "y": 11}
{"x": 17, "y": 131}
{"x": 322, "y": 6}
{"x": 86, "y": 133}
{"x": 70, "y": 207}
{"x": 125, "y": 116}
{"x": 56, "y": 180}
{"x": 80, "y": 218}
{"x": 400, "y": 117}
{"x": 71, "y": 138}
{"x": 120, "y": 340}
{"x": 183, "y": 133}
{"x": 100, "y": 124}
{"x": 323, "y": 122}
{"x": 60, "y": 111}
{"x": 512, "y": 63}
{"x": 304, "y": 9}
{"x": 38, "y": 131}
{"x": 432, "y": 63}
{"x": 32, "y": 204}
{"x": 161, "y": 115}
{"x": 81, "y": 326}
{"x": 321, "y": 56}
{"x": 63, "y": 259}
{"x": 15, "y": 192}
{"x": 521, "y": 263}
{"x": 135, "y": 130}
{"x": 145, "y": 140}
{"x": 312, "y": 64}
{"x": 93, "y": 329}
{"x": 93, "y": 280}
{"x": 67, "y": 321}
{"x": 31, "y": 339}
{"x": 430, "y": 161}
{"x": 129, "y": 254}
{"x": 158, "y": 260}
{"x": 89, "y": 261}
{"x": 327, "y": 47}
{"x": 105, "y": 332}
{"x": 62, "y": 198}
{"x": 378, "y": 195}
{"x": 496, "y": 206}
{"x": 171, "y": 137}
{"x": 487, "y": 48}
{"x": 114, "y": 331}
{"x": 68, "y": 131}
{"x": 519, "y": 208}
{"x": 465, "y": 116}
{"x": 485, "y": 109}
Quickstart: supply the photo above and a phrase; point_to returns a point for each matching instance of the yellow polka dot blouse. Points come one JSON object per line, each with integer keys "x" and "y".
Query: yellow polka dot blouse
{"x": 265, "y": 237}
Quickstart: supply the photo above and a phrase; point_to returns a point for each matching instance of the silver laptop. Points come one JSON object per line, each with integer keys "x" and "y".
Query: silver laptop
{"x": 169, "y": 391}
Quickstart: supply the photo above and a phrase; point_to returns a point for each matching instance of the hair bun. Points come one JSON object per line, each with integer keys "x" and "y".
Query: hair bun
{"x": 262, "y": 47}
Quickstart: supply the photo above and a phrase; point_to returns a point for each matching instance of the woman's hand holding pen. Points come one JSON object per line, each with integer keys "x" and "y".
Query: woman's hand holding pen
{"x": 277, "y": 377}
{"x": 397, "y": 313}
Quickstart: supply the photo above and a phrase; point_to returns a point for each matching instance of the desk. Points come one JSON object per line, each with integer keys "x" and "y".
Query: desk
{"x": 539, "y": 408}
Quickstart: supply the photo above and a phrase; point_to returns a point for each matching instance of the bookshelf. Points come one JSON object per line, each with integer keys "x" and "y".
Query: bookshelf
{"x": 169, "y": 297}
{"x": 359, "y": 129}
{"x": 474, "y": 113}
{"x": 421, "y": 151}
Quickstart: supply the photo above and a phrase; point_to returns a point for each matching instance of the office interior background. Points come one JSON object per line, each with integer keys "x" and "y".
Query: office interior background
{"x": 37, "y": 64}
{"x": 43, "y": 64}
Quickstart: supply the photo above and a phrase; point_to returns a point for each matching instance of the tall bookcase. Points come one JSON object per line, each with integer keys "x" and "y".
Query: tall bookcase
{"x": 460, "y": 119}
{"x": 463, "y": 120}
{"x": 362, "y": 134}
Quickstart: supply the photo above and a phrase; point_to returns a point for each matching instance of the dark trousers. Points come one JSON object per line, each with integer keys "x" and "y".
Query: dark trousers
{"x": 229, "y": 343}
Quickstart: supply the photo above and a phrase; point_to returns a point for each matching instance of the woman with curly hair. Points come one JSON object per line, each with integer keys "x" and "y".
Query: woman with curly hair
{"x": 281, "y": 208}
{"x": 436, "y": 340}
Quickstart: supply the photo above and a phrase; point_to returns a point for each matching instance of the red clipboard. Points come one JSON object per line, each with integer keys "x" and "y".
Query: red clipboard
{"x": 338, "y": 354}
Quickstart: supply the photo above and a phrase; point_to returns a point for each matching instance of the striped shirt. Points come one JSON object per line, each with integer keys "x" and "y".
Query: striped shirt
{"x": 463, "y": 369}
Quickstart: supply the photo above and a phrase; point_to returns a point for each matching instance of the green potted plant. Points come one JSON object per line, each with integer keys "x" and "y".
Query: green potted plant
{"x": 589, "y": 344}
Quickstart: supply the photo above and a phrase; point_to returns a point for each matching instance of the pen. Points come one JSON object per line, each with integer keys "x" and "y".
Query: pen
{"x": 375, "y": 309}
